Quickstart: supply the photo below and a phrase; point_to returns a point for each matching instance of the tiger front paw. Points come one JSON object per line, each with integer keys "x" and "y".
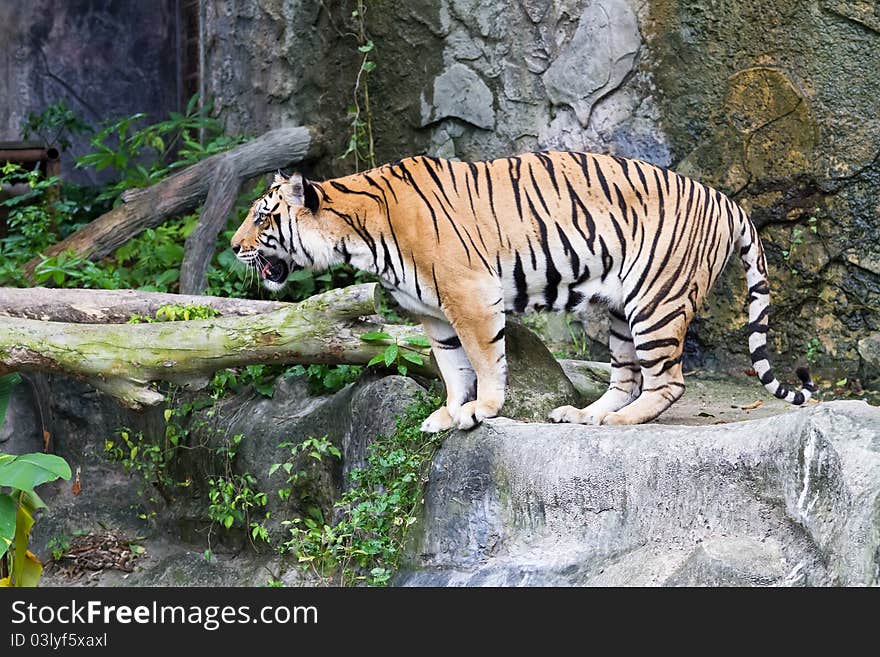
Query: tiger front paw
{"x": 474, "y": 412}
{"x": 439, "y": 420}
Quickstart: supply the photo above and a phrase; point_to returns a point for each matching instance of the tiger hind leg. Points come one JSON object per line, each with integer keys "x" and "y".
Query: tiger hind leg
{"x": 625, "y": 384}
{"x": 659, "y": 355}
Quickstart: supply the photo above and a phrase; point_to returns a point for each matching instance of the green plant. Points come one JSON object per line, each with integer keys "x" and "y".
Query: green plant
{"x": 231, "y": 499}
{"x": 814, "y": 350}
{"x": 360, "y": 114}
{"x": 142, "y": 154}
{"x": 580, "y": 341}
{"x": 233, "y": 496}
{"x": 19, "y": 476}
{"x": 55, "y": 126}
{"x": 375, "y": 515}
{"x": 398, "y": 352}
{"x": 326, "y": 378}
{"x": 173, "y": 312}
{"x": 146, "y": 457}
{"x": 299, "y": 483}
{"x": 59, "y": 545}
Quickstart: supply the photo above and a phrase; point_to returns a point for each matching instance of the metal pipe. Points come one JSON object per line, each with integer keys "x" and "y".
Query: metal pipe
{"x": 25, "y": 155}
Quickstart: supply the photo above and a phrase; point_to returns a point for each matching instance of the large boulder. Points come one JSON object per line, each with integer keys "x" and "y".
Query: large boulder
{"x": 791, "y": 499}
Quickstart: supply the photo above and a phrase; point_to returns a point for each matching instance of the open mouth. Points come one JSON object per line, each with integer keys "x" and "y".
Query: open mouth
{"x": 274, "y": 270}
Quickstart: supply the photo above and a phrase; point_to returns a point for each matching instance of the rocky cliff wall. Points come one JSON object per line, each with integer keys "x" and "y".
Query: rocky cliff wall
{"x": 773, "y": 102}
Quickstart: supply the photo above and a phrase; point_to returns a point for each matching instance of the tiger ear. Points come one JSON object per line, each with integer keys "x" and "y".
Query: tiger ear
{"x": 279, "y": 178}
{"x": 299, "y": 191}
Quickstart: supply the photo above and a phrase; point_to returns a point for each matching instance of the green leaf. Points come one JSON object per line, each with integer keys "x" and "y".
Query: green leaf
{"x": 391, "y": 354}
{"x": 28, "y": 471}
{"x": 8, "y": 508}
{"x": 416, "y": 359}
{"x": 375, "y": 336}
{"x": 417, "y": 341}
{"x": 376, "y": 359}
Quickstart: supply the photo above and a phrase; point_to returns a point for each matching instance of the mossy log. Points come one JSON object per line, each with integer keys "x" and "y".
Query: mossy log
{"x": 123, "y": 359}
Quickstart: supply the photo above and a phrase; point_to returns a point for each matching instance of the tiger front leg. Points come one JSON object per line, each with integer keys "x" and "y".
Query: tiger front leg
{"x": 481, "y": 331}
{"x": 455, "y": 368}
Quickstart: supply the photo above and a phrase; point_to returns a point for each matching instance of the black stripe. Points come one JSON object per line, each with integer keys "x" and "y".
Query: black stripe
{"x": 547, "y": 161}
{"x": 513, "y": 166}
{"x": 756, "y": 327}
{"x": 607, "y": 260}
{"x": 538, "y": 190}
{"x": 451, "y": 342}
{"x": 416, "y": 278}
{"x": 519, "y": 279}
{"x": 657, "y": 344}
{"x": 491, "y": 193}
{"x": 760, "y": 354}
{"x": 551, "y": 290}
{"x": 767, "y": 377}
{"x": 498, "y": 336}
{"x": 569, "y": 251}
{"x": 574, "y": 299}
{"x": 602, "y": 182}
{"x": 388, "y": 264}
{"x": 798, "y": 398}
{"x": 436, "y": 287}
{"x": 409, "y": 178}
{"x": 532, "y": 254}
{"x": 439, "y": 184}
{"x": 452, "y": 175}
{"x": 467, "y": 251}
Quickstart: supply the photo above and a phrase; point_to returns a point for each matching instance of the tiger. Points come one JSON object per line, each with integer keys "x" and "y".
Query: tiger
{"x": 460, "y": 245}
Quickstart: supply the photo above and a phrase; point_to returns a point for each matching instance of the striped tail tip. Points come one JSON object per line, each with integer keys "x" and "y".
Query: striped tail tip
{"x": 806, "y": 379}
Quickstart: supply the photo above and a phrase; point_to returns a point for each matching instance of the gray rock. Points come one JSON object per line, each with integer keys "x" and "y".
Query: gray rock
{"x": 789, "y": 499}
{"x": 460, "y": 93}
{"x": 536, "y": 382}
{"x": 733, "y": 561}
{"x": 588, "y": 377}
{"x": 869, "y": 350}
{"x": 21, "y": 432}
{"x": 597, "y": 59}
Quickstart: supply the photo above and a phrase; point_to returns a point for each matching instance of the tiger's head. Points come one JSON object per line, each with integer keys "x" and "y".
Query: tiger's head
{"x": 280, "y": 233}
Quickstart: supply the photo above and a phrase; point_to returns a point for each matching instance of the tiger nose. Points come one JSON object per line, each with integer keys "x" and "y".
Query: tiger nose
{"x": 236, "y": 248}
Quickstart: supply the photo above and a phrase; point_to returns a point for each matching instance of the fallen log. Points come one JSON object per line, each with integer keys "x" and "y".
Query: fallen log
{"x": 218, "y": 178}
{"x": 113, "y": 306}
{"x": 123, "y": 359}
